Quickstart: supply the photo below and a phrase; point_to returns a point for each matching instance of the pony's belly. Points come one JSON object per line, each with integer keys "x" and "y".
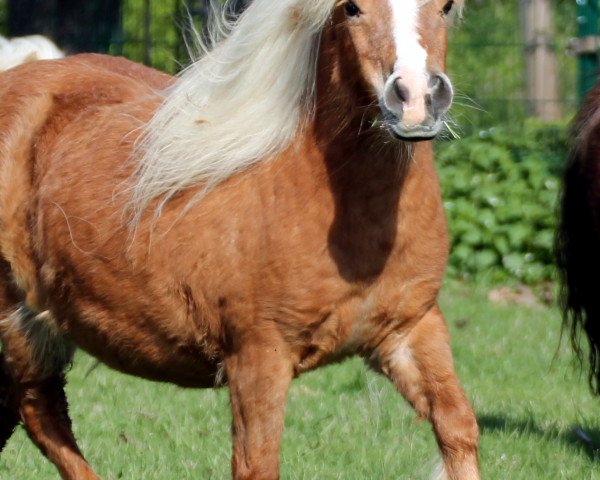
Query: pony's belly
{"x": 144, "y": 352}
{"x": 181, "y": 370}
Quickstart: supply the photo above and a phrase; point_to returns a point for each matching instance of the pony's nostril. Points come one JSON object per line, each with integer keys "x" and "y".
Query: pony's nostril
{"x": 441, "y": 94}
{"x": 434, "y": 82}
{"x": 401, "y": 91}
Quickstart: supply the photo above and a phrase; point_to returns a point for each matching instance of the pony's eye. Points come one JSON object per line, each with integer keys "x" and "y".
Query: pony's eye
{"x": 448, "y": 7}
{"x": 352, "y": 9}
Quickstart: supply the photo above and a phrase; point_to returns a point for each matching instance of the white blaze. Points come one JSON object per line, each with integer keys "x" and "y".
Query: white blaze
{"x": 410, "y": 54}
{"x": 411, "y": 63}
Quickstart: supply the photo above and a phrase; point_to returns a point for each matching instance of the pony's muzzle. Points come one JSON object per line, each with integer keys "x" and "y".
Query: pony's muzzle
{"x": 414, "y": 105}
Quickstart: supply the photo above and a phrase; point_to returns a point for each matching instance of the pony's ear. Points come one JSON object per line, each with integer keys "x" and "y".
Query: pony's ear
{"x": 459, "y": 8}
{"x": 456, "y": 14}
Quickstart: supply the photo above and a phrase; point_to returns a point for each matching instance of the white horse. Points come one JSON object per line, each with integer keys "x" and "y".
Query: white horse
{"x": 21, "y": 50}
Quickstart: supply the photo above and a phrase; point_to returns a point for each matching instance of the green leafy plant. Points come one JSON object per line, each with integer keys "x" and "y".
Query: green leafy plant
{"x": 500, "y": 189}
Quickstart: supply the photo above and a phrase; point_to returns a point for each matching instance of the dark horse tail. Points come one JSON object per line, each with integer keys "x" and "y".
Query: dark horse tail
{"x": 578, "y": 238}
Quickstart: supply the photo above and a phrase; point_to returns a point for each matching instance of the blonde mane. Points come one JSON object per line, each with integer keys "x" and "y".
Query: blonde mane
{"x": 241, "y": 102}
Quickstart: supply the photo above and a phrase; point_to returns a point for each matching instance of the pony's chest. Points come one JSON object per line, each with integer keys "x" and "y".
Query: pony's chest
{"x": 355, "y": 322}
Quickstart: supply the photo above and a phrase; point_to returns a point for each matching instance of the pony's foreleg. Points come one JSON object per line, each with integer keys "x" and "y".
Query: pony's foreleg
{"x": 36, "y": 357}
{"x": 259, "y": 374}
{"x": 419, "y": 362}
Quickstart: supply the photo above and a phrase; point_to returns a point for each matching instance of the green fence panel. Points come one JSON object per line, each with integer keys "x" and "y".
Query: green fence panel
{"x": 587, "y": 44}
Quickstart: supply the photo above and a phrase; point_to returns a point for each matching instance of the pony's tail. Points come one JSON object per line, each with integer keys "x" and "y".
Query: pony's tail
{"x": 577, "y": 244}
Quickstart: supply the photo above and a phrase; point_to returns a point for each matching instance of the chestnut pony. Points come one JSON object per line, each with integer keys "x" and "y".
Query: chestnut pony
{"x": 578, "y": 237}
{"x": 266, "y": 213}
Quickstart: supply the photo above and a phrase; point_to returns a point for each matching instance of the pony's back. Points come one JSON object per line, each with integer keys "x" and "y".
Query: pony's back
{"x": 578, "y": 238}
{"x": 66, "y": 87}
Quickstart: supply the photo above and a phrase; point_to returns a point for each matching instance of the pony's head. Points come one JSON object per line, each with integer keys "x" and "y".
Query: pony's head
{"x": 395, "y": 50}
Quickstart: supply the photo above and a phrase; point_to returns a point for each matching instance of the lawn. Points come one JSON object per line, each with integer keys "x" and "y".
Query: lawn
{"x": 345, "y": 421}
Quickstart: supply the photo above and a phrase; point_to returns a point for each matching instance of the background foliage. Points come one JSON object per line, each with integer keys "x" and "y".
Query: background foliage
{"x": 152, "y": 36}
{"x": 500, "y": 181}
{"x": 500, "y": 190}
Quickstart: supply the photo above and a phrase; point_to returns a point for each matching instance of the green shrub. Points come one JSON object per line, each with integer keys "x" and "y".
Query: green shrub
{"x": 500, "y": 188}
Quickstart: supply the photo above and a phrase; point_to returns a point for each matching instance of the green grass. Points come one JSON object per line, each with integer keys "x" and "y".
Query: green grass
{"x": 346, "y": 422}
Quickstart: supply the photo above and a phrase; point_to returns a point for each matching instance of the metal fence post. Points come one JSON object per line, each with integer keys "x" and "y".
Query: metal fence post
{"x": 587, "y": 45}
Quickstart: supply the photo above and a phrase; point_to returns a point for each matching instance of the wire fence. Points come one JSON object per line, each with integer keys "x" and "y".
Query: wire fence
{"x": 486, "y": 55}
{"x": 497, "y": 93}
{"x": 488, "y": 63}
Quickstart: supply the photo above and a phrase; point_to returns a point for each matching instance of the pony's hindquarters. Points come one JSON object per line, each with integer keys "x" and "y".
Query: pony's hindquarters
{"x": 578, "y": 237}
{"x": 20, "y": 337}
{"x": 35, "y": 353}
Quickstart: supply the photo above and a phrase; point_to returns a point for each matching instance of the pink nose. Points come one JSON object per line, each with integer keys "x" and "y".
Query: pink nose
{"x": 409, "y": 88}
{"x": 417, "y": 99}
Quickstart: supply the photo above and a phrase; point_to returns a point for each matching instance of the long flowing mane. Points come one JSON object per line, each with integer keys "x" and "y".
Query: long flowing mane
{"x": 240, "y": 103}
